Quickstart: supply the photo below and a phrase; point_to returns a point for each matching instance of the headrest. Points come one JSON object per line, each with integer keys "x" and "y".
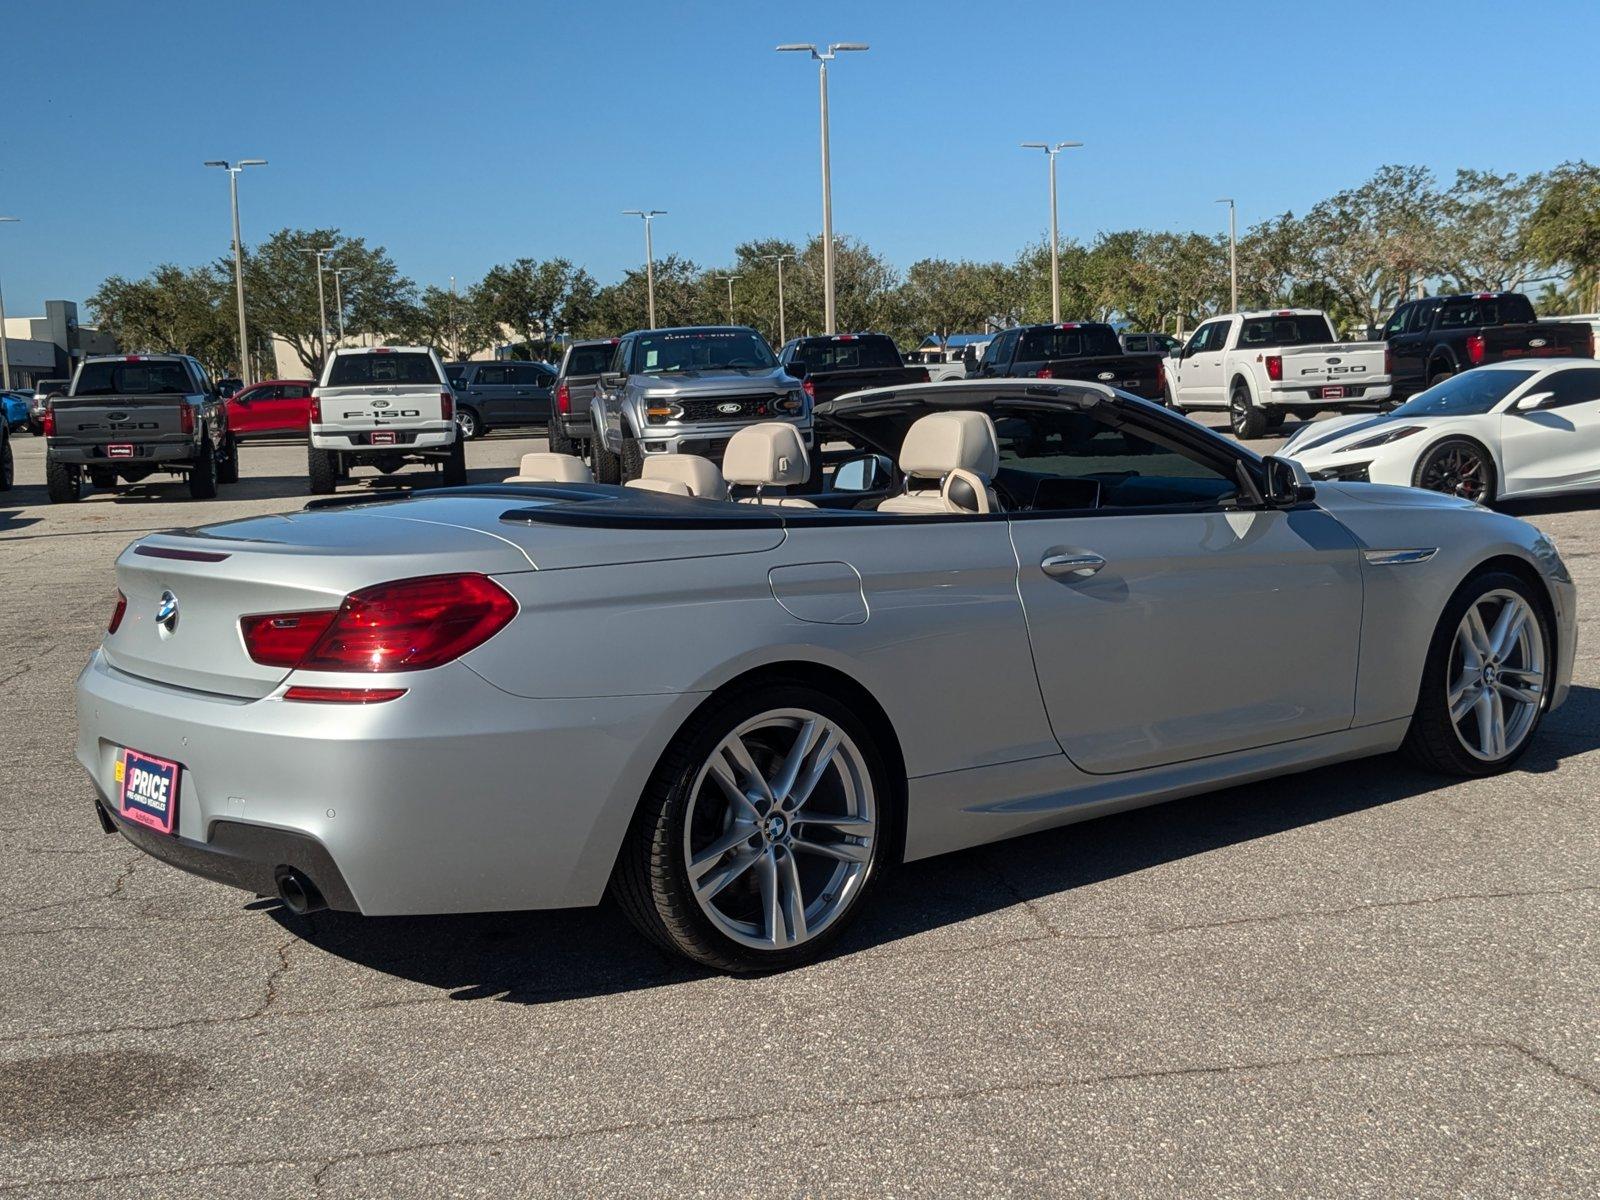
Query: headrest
{"x": 947, "y": 441}
{"x": 544, "y": 467}
{"x": 964, "y": 491}
{"x": 770, "y": 454}
{"x": 670, "y": 486}
{"x": 699, "y": 475}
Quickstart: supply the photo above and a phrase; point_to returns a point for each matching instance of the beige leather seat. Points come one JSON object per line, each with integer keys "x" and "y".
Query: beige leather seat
{"x": 682, "y": 475}
{"x": 545, "y": 467}
{"x": 769, "y": 455}
{"x": 941, "y": 445}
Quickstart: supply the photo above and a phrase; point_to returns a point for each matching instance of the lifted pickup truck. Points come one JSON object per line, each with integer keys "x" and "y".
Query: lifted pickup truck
{"x": 687, "y": 391}
{"x": 129, "y": 415}
{"x": 1434, "y": 338}
{"x": 1072, "y": 350}
{"x": 1261, "y": 366}
{"x": 383, "y": 407}
{"x": 836, "y": 364}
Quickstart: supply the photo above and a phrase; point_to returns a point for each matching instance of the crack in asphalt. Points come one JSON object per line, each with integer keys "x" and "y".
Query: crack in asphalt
{"x": 755, "y": 1117}
{"x": 29, "y": 663}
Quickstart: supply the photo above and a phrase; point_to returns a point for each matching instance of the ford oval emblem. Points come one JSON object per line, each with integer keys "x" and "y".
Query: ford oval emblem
{"x": 729, "y": 408}
{"x": 119, "y": 416}
{"x": 1537, "y": 342}
{"x": 1105, "y": 375}
{"x": 167, "y": 614}
{"x": 380, "y": 404}
{"x": 1333, "y": 362}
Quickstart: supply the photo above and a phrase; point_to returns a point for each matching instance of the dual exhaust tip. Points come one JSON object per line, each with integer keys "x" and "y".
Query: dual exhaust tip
{"x": 299, "y": 895}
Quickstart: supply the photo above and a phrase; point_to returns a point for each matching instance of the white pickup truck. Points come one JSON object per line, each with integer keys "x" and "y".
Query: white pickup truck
{"x": 1261, "y": 366}
{"x": 383, "y": 406}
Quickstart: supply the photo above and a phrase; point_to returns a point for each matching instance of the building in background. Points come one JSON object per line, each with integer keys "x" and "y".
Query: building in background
{"x": 51, "y": 346}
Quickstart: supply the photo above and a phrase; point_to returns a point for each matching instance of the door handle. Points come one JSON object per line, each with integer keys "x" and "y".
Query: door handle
{"x": 1071, "y": 564}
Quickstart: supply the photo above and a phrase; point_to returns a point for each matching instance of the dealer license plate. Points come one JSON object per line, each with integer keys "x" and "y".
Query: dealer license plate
{"x": 149, "y": 790}
{"x": 121, "y": 450}
{"x": 1333, "y": 393}
{"x": 383, "y": 438}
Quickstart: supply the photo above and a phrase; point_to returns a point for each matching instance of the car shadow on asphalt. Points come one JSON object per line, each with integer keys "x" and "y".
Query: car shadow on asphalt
{"x": 538, "y": 957}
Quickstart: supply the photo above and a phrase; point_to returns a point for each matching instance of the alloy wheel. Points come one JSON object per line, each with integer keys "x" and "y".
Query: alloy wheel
{"x": 780, "y": 829}
{"x": 466, "y": 424}
{"x": 1496, "y": 676}
{"x": 1456, "y": 471}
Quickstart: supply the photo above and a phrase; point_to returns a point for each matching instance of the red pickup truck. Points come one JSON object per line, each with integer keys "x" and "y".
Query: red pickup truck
{"x": 271, "y": 408}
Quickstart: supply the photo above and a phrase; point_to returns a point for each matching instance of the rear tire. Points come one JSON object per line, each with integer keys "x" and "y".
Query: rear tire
{"x": 455, "y": 465}
{"x": 560, "y": 443}
{"x": 8, "y": 464}
{"x": 1248, "y": 421}
{"x": 468, "y": 424}
{"x": 607, "y": 466}
{"x": 63, "y": 482}
{"x": 849, "y": 811}
{"x": 203, "y": 475}
{"x": 323, "y": 470}
{"x": 1274, "y": 422}
{"x": 632, "y": 458}
{"x": 228, "y": 460}
{"x": 1500, "y": 682}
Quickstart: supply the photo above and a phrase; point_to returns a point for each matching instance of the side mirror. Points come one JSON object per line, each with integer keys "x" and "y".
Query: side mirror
{"x": 1287, "y": 483}
{"x": 1534, "y": 401}
{"x": 796, "y": 370}
{"x": 868, "y": 473}
{"x": 613, "y": 379}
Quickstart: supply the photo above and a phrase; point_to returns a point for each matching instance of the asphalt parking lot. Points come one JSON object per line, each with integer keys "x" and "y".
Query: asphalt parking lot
{"x": 1361, "y": 981}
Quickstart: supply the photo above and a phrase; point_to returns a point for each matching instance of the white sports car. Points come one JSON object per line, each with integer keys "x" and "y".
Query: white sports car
{"x": 1509, "y": 429}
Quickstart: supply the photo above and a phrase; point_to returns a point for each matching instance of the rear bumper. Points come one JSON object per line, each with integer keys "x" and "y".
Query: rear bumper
{"x": 438, "y": 435}
{"x": 144, "y": 454}
{"x": 457, "y": 797}
{"x": 1356, "y": 398}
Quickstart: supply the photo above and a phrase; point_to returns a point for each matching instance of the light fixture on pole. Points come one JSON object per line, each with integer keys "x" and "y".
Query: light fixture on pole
{"x": 1233, "y": 254}
{"x": 783, "y": 335}
{"x": 647, "y": 216}
{"x": 823, "y": 58}
{"x": 1051, "y": 150}
{"x": 5, "y": 354}
{"x": 338, "y": 295}
{"x": 233, "y": 169}
{"x": 730, "y": 279}
{"x": 322, "y": 303}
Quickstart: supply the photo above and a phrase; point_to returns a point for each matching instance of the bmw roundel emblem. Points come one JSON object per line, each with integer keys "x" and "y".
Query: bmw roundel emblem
{"x": 167, "y": 614}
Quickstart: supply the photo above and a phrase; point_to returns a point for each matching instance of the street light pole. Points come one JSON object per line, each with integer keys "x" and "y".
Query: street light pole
{"x": 783, "y": 335}
{"x": 322, "y": 302}
{"x": 233, "y": 170}
{"x": 647, "y": 216}
{"x": 823, "y": 58}
{"x": 338, "y": 274}
{"x": 5, "y": 352}
{"x": 1233, "y": 254}
{"x": 730, "y": 279}
{"x": 1055, "y": 235}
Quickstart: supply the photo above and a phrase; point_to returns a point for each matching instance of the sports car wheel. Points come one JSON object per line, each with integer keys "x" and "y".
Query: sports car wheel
{"x": 1485, "y": 684}
{"x": 762, "y": 831}
{"x": 1457, "y": 467}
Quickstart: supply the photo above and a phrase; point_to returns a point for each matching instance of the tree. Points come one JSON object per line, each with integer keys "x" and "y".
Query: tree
{"x": 621, "y": 306}
{"x": 1484, "y": 237}
{"x": 1564, "y": 231}
{"x": 455, "y": 325}
{"x": 537, "y": 301}
{"x": 281, "y": 290}
{"x": 174, "y": 311}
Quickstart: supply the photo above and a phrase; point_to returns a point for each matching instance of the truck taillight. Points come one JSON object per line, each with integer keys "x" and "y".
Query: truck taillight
{"x": 1388, "y": 361}
{"x": 809, "y": 388}
{"x": 316, "y": 410}
{"x": 1475, "y": 348}
{"x": 563, "y": 399}
{"x": 447, "y": 406}
{"x": 1591, "y": 343}
{"x": 408, "y": 625}
{"x": 922, "y": 376}
{"x": 1275, "y": 367}
{"x": 186, "y": 418}
{"x": 1161, "y": 375}
{"x": 1044, "y": 373}
{"x": 117, "y": 613}
{"x": 49, "y": 420}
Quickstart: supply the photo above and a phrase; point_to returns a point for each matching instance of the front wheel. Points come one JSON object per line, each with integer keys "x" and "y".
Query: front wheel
{"x": 1486, "y": 681}
{"x": 1457, "y": 467}
{"x": 761, "y": 832}
{"x": 632, "y": 458}
{"x": 607, "y": 467}
{"x": 1248, "y": 421}
{"x": 455, "y": 465}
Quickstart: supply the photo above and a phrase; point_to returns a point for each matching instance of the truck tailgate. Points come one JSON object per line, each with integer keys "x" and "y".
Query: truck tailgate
{"x": 374, "y": 406}
{"x": 102, "y": 420}
{"x": 1352, "y": 364}
{"x": 1543, "y": 339}
{"x": 829, "y": 385}
{"x": 1141, "y": 374}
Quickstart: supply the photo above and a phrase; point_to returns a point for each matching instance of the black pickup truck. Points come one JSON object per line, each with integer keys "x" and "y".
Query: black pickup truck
{"x": 836, "y": 364}
{"x": 1434, "y": 338}
{"x": 1073, "y": 350}
{"x": 130, "y": 415}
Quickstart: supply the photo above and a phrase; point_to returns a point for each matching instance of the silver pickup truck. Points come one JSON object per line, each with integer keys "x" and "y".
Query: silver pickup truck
{"x": 687, "y": 391}
{"x": 130, "y": 415}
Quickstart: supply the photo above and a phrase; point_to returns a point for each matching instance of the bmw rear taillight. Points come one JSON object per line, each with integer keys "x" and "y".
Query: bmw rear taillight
{"x": 186, "y": 419}
{"x": 49, "y": 420}
{"x": 408, "y": 625}
{"x": 447, "y": 406}
{"x": 563, "y": 399}
{"x": 1475, "y": 348}
{"x": 1275, "y": 367}
{"x": 117, "y": 613}
{"x": 1044, "y": 373}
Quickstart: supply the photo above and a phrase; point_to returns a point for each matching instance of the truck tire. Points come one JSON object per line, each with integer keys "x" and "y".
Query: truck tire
{"x": 1248, "y": 421}
{"x": 560, "y": 443}
{"x": 103, "y": 479}
{"x": 607, "y": 466}
{"x": 455, "y": 465}
{"x": 203, "y": 475}
{"x": 323, "y": 470}
{"x": 1275, "y": 421}
{"x": 8, "y": 464}
{"x": 632, "y": 458}
{"x": 1439, "y": 375}
{"x": 63, "y": 482}
{"x": 228, "y": 460}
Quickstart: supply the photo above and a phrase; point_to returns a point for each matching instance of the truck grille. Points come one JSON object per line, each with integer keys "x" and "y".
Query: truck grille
{"x": 712, "y": 409}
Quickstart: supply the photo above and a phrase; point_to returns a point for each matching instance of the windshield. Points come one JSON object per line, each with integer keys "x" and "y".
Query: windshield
{"x": 119, "y": 377}
{"x": 357, "y": 370}
{"x": 1291, "y": 330}
{"x": 847, "y": 353}
{"x": 1068, "y": 341}
{"x": 590, "y": 360}
{"x": 701, "y": 350}
{"x": 1464, "y": 395}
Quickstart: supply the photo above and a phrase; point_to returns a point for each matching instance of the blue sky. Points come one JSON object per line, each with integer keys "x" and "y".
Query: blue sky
{"x": 461, "y": 135}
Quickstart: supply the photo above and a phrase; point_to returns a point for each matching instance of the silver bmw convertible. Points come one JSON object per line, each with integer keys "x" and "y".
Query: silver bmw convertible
{"x": 1015, "y": 604}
